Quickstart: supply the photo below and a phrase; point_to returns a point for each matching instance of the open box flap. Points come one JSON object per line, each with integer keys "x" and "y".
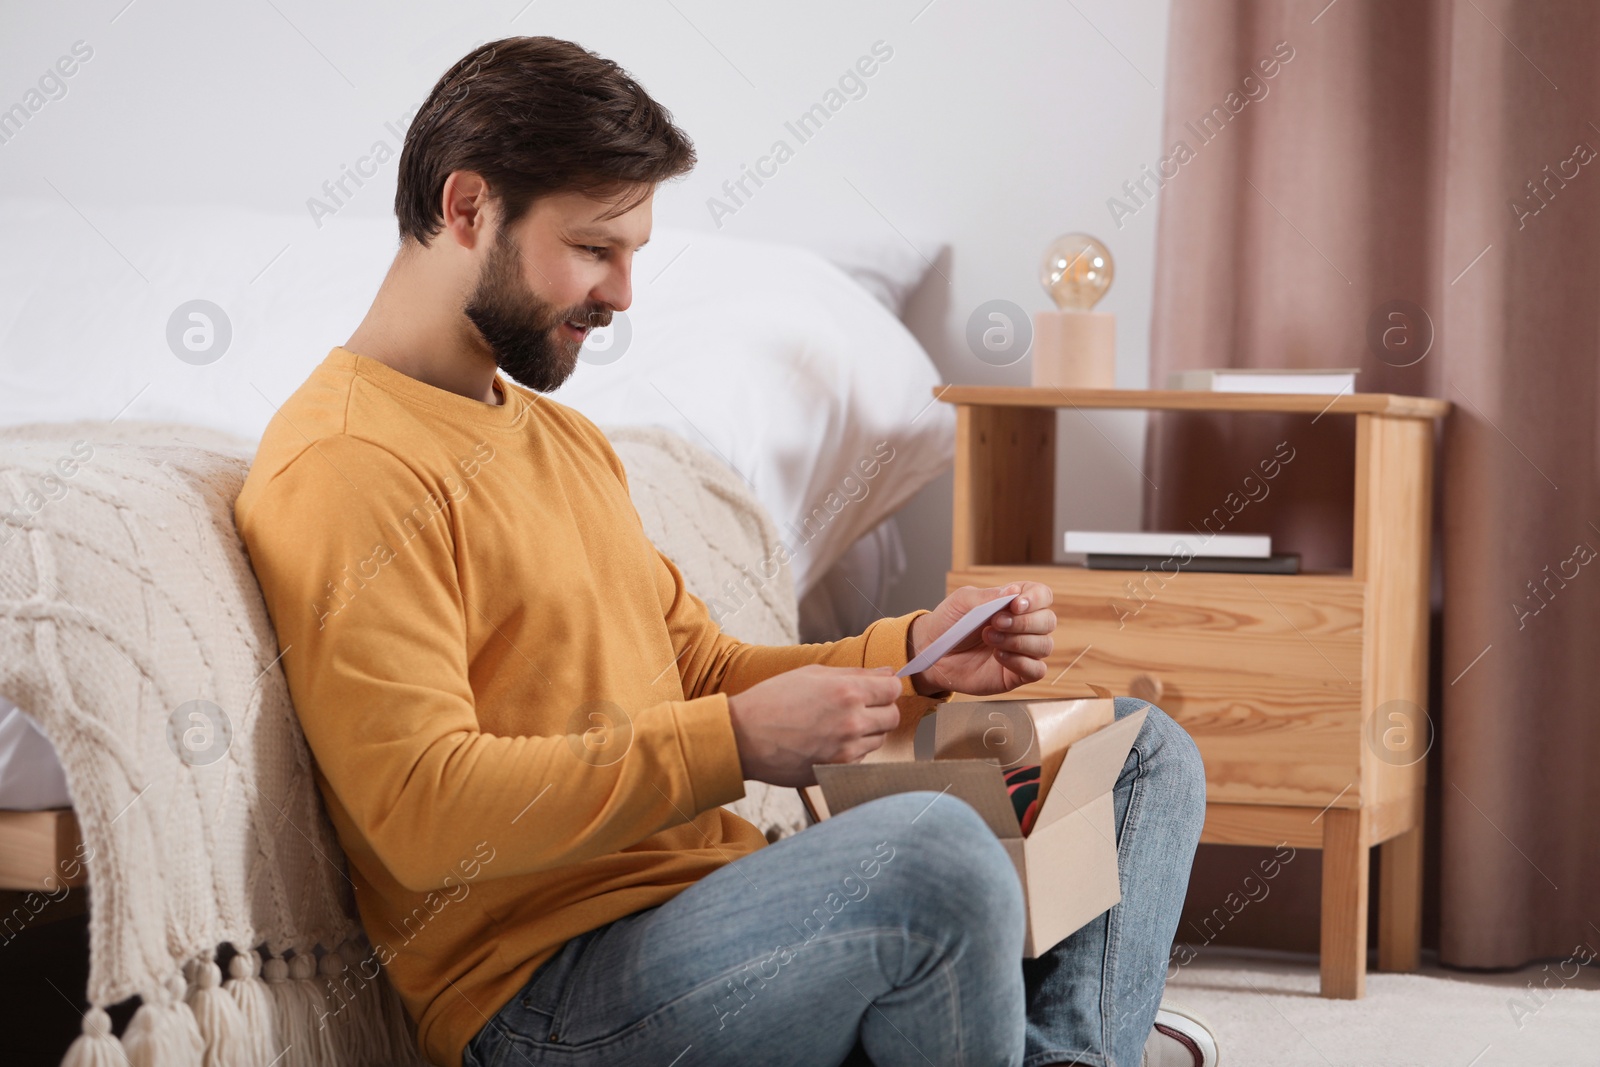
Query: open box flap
{"x": 978, "y": 782}
{"x": 1090, "y": 768}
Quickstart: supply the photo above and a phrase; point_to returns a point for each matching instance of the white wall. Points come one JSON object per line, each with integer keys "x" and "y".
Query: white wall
{"x": 992, "y": 128}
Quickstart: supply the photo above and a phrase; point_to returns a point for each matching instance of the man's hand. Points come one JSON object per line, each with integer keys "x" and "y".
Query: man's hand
{"x": 812, "y": 714}
{"x": 1006, "y": 652}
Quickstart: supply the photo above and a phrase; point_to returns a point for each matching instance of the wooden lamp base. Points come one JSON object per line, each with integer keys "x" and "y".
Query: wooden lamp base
{"x": 1075, "y": 349}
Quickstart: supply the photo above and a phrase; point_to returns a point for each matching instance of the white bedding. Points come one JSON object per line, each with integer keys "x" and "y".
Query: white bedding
{"x": 30, "y": 774}
{"x": 849, "y": 598}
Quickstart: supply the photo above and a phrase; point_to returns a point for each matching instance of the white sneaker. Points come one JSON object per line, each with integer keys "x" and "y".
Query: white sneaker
{"x": 1180, "y": 1038}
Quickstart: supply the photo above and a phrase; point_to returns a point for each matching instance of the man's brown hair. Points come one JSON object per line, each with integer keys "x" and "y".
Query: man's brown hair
{"x": 535, "y": 116}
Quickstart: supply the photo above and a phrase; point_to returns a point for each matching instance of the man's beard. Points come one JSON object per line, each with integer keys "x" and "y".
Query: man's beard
{"x": 521, "y": 329}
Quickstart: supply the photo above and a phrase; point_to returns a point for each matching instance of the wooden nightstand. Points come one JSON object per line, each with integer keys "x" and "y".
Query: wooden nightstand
{"x": 1279, "y": 678}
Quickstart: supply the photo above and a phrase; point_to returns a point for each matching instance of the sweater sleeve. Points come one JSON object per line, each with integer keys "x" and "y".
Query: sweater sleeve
{"x": 355, "y": 555}
{"x": 712, "y": 662}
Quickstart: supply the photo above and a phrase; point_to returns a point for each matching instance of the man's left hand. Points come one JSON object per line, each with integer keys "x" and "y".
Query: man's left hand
{"x": 1007, "y": 651}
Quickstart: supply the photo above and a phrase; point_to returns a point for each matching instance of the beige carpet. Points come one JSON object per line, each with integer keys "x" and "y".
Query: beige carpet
{"x": 1266, "y": 1012}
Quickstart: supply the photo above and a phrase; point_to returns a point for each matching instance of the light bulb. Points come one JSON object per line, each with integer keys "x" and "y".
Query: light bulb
{"x": 1077, "y": 271}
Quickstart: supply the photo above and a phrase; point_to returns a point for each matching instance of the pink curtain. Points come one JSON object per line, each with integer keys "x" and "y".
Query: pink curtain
{"x": 1436, "y": 159}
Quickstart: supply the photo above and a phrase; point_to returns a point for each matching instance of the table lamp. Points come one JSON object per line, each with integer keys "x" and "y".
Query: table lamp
{"x": 1075, "y": 347}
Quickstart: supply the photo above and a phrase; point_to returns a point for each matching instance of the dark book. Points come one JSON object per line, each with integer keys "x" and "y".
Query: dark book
{"x": 1288, "y": 563}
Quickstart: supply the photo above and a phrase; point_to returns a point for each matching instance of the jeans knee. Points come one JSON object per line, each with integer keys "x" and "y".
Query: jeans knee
{"x": 1172, "y": 761}
{"x": 945, "y": 847}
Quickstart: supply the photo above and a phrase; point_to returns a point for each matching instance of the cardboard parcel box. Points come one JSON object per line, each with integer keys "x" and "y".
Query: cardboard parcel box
{"x": 1068, "y": 861}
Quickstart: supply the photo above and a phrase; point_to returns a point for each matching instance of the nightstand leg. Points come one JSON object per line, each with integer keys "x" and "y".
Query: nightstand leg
{"x": 1400, "y": 901}
{"x": 1344, "y": 905}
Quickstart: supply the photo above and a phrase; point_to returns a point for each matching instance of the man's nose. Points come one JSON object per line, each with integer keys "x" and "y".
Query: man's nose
{"x": 616, "y": 292}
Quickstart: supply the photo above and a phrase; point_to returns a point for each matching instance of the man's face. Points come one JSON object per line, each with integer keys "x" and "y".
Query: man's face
{"x": 551, "y": 277}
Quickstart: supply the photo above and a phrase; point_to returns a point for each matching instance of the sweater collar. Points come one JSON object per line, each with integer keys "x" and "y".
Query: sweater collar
{"x": 508, "y": 413}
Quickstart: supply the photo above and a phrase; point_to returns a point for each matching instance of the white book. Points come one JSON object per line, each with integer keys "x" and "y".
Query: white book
{"x": 1216, "y": 546}
{"x": 1255, "y": 380}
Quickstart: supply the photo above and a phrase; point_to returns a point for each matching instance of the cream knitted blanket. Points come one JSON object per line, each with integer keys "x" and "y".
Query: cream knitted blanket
{"x": 133, "y": 631}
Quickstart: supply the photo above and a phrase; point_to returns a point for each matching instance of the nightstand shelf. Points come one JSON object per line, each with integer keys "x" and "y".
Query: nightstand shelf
{"x": 1277, "y": 677}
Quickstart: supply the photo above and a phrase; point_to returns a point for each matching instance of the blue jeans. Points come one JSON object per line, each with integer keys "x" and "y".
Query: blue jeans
{"x": 891, "y": 931}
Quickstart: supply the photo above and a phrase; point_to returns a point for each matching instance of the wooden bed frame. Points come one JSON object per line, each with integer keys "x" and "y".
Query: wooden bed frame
{"x": 39, "y": 851}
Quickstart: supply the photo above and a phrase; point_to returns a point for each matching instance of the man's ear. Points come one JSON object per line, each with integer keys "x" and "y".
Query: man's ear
{"x": 470, "y": 216}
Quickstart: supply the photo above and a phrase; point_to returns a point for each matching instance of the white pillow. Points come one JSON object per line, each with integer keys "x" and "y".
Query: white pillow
{"x": 888, "y": 268}
{"x": 777, "y": 361}
{"x": 843, "y": 601}
{"x": 767, "y": 354}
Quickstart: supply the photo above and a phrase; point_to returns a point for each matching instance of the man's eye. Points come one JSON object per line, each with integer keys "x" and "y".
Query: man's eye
{"x": 594, "y": 250}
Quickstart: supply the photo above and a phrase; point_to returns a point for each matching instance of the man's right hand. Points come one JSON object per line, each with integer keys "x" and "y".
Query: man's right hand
{"x": 812, "y": 714}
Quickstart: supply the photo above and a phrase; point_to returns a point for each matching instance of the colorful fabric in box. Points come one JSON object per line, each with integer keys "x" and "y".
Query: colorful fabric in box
{"x": 1022, "y": 783}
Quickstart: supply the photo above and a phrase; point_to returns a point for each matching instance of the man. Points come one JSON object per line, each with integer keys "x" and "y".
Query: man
{"x": 524, "y": 725}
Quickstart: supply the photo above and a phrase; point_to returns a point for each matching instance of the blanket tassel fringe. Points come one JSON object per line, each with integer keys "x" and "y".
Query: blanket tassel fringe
{"x": 164, "y": 1032}
{"x": 249, "y": 995}
{"x": 96, "y": 1046}
{"x": 277, "y": 1012}
{"x": 222, "y": 1028}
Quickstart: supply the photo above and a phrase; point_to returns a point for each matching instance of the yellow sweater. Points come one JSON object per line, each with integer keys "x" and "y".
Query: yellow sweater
{"x": 518, "y": 713}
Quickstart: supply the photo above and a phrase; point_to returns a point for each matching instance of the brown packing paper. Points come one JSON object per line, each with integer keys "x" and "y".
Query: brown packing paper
{"x": 979, "y": 729}
{"x": 1068, "y": 863}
